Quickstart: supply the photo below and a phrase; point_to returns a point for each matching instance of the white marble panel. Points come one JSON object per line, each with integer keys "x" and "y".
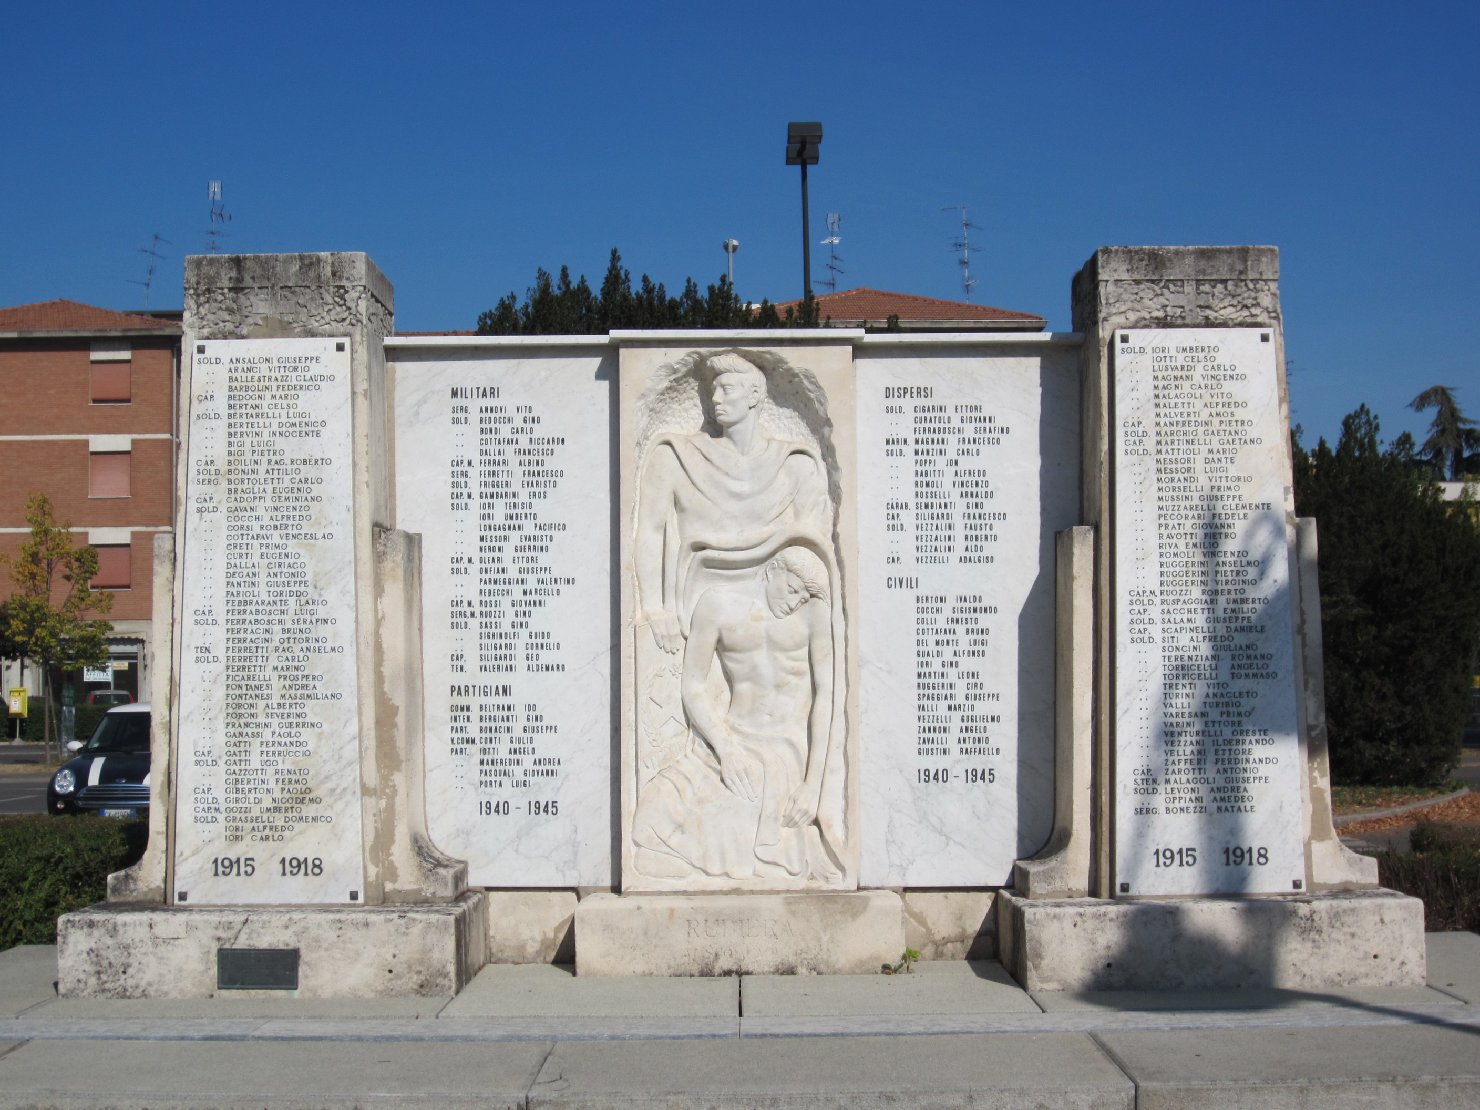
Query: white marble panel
{"x": 1207, "y": 753}
{"x": 968, "y": 464}
{"x": 503, "y": 464}
{"x": 268, "y": 756}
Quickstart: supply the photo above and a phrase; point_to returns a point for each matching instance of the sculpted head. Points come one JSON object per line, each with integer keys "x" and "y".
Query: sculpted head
{"x": 792, "y": 578}
{"x": 738, "y": 390}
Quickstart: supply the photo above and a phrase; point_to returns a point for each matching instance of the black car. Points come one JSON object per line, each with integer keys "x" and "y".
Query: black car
{"x": 110, "y": 773}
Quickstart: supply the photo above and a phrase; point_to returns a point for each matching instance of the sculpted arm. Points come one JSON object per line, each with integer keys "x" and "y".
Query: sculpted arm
{"x": 801, "y": 807}
{"x": 655, "y": 501}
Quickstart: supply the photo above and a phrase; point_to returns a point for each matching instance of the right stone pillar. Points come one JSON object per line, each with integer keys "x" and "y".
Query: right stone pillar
{"x": 1213, "y": 862}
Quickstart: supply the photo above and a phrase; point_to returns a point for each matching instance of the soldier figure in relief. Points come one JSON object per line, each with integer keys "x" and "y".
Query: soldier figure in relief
{"x": 758, "y": 638}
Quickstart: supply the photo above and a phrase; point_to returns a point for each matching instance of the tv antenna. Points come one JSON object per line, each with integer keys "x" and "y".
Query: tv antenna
{"x": 834, "y": 221}
{"x": 963, "y": 244}
{"x": 219, "y": 217}
{"x": 152, "y": 250}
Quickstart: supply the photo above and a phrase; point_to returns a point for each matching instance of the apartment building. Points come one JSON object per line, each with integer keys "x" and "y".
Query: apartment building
{"x": 88, "y": 416}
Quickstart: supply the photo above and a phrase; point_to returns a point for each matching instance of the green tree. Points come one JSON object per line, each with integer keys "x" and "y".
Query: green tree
{"x": 1400, "y": 603}
{"x": 52, "y": 607}
{"x": 1453, "y": 445}
{"x": 560, "y": 306}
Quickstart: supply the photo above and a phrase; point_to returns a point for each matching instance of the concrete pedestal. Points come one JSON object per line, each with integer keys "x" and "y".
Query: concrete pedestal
{"x": 1311, "y": 942}
{"x": 750, "y": 934}
{"x": 109, "y": 951}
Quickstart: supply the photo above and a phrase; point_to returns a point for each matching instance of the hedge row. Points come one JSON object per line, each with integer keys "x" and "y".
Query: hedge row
{"x": 1444, "y": 870}
{"x": 33, "y": 727}
{"x": 53, "y": 865}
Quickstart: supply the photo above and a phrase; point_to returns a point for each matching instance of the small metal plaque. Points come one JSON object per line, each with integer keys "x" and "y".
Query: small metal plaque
{"x": 257, "y": 969}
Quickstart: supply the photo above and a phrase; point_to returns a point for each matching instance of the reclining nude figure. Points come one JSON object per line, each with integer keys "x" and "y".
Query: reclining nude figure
{"x": 742, "y": 800}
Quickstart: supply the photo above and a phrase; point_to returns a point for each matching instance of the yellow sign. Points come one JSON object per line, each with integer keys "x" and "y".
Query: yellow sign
{"x": 20, "y": 702}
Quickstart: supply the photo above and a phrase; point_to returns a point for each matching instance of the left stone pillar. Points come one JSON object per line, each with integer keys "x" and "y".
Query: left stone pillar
{"x": 294, "y": 853}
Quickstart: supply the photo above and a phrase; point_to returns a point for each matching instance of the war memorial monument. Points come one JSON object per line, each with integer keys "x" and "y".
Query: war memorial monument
{"x": 708, "y": 653}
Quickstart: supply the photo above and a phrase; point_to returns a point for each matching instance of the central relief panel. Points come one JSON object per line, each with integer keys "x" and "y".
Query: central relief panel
{"x": 738, "y": 607}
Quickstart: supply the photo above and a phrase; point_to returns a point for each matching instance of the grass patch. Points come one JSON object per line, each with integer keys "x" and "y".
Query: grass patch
{"x": 1349, "y": 799}
{"x": 53, "y": 865}
{"x": 1443, "y": 870}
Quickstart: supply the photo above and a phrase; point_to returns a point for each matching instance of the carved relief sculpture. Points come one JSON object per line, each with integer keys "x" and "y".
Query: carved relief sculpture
{"x": 740, "y": 649}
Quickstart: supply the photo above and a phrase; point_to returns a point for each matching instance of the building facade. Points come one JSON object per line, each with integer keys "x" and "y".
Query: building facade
{"x": 88, "y": 416}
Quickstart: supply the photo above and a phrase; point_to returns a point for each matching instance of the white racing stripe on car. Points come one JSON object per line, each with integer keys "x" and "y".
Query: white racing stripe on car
{"x": 95, "y": 771}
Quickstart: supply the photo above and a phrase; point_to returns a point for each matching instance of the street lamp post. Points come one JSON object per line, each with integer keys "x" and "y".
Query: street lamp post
{"x": 802, "y": 142}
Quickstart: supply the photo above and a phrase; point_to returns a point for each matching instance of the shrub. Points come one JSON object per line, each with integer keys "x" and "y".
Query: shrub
{"x": 1444, "y": 870}
{"x": 53, "y": 865}
{"x": 1400, "y": 605}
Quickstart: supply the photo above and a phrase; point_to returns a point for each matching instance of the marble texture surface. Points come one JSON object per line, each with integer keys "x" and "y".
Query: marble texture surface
{"x": 737, "y": 729}
{"x": 267, "y": 757}
{"x": 967, "y": 468}
{"x": 503, "y": 465}
{"x": 1208, "y": 765}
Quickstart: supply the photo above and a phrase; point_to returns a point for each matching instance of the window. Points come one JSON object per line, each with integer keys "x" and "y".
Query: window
{"x": 114, "y": 564}
{"x": 111, "y": 383}
{"x": 108, "y": 474}
{"x": 110, "y": 371}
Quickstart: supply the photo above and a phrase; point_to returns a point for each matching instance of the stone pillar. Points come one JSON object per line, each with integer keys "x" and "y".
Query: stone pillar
{"x": 318, "y": 872}
{"x": 1148, "y": 287}
{"x": 1178, "y": 922}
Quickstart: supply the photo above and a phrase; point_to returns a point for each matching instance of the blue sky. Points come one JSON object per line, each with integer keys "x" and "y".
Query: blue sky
{"x": 463, "y": 145}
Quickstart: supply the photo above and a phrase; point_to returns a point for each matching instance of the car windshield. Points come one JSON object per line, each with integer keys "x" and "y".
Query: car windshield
{"x": 121, "y": 732}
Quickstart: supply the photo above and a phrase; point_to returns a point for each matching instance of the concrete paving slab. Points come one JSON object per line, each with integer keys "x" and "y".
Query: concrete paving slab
{"x": 28, "y": 975}
{"x": 237, "y": 1006}
{"x": 1027, "y": 1070}
{"x": 162, "y": 1075}
{"x": 1251, "y": 999}
{"x": 944, "y": 987}
{"x": 619, "y": 1028}
{"x": 1454, "y": 964}
{"x": 551, "y": 990}
{"x": 1409, "y": 1066}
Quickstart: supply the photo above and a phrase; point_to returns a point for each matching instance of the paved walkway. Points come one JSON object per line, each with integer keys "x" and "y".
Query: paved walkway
{"x": 951, "y": 1034}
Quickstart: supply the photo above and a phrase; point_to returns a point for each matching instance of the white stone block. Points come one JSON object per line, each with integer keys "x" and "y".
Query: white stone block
{"x": 503, "y": 466}
{"x": 967, "y": 467}
{"x": 1309, "y": 942}
{"x": 951, "y": 924}
{"x": 749, "y": 934}
{"x": 344, "y": 952}
{"x": 267, "y": 756}
{"x": 1209, "y": 767}
{"x": 530, "y": 926}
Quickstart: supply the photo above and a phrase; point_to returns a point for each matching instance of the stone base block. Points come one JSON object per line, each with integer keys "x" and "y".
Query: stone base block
{"x": 1312, "y": 942}
{"x": 951, "y": 924}
{"x": 740, "y": 934}
{"x": 530, "y": 926}
{"x": 110, "y": 951}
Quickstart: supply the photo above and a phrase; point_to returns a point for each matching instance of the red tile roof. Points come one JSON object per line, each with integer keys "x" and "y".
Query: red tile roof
{"x": 69, "y": 316}
{"x": 877, "y": 305}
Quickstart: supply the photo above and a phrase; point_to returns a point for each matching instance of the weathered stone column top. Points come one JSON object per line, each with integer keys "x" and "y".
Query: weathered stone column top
{"x": 234, "y": 296}
{"x": 1151, "y": 287}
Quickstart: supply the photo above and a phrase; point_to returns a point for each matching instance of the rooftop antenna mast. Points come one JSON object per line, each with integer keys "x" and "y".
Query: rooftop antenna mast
{"x": 963, "y": 244}
{"x": 834, "y": 221}
{"x": 219, "y": 217}
{"x": 152, "y": 250}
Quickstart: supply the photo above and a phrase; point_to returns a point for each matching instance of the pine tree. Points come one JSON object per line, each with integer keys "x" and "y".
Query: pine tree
{"x": 1453, "y": 445}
